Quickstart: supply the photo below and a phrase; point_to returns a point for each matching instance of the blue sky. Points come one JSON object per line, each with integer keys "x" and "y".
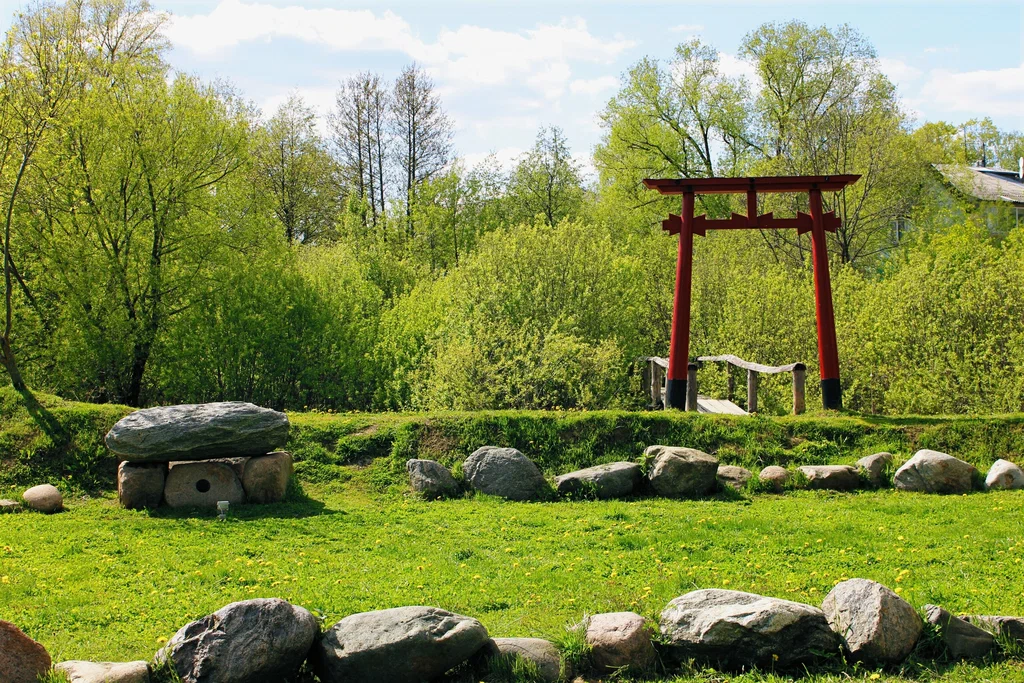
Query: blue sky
{"x": 504, "y": 69}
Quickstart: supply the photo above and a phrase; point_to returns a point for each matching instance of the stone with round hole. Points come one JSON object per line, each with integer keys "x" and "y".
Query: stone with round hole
{"x": 202, "y": 484}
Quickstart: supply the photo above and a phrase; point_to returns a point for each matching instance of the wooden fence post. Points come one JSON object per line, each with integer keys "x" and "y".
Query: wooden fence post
{"x": 799, "y": 374}
{"x": 751, "y": 391}
{"x": 691, "y": 387}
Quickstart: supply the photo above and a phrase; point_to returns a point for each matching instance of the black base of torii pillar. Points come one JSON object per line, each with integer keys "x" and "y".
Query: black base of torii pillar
{"x": 687, "y": 225}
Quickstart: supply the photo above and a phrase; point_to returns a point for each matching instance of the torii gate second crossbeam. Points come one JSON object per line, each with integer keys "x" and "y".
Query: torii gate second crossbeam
{"x": 687, "y": 225}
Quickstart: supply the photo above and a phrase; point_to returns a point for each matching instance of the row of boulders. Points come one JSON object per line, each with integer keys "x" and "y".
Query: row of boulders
{"x": 199, "y": 455}
{"x": 677, "y": 472}
{"x": 269, "y": 639}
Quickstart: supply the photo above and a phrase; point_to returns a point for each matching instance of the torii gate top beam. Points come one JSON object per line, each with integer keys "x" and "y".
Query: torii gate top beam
{"x": 763, "y": 184}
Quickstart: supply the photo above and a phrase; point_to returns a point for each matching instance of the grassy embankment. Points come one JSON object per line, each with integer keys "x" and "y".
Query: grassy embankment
{"x": 104, "y": 583}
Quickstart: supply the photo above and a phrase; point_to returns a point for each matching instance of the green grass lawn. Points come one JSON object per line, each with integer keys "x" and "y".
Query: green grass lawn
{"x": 99, "y": 582}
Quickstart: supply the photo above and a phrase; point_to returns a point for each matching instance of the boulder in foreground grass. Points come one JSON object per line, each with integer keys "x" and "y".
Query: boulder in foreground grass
{"x": 22, "y": 660}
{"x": 831, "y": 477}
{"x": 877, "y": 625}
{"x": 733, "y": 476}
{"x": 506, "y": 473}
{"x": 935, "y": 472}
{"x": 105, "y": 672}
{"x": 141, "y": 485}
{"x": 542, "y": 653}
{"x": 202, "y": 484}
{"x": 266, "y": 639}
{"x": 620, "y": 640}
{"x": 1005, "y": 627}
{"x": 963, "y": 640}
{"x": 1004, "y": 475}
{"x": 44, "y": 498}
{"x": 431, "y": 479}
{"x": 739, "y": 630}
{"x": 613, "y": 480}
{"x": 198, "y": 432}
{"x": 681, "y": 472}
{"x": 873, "y": 467}
{"x": 397, "y": 645}
{"x": 775, "y": 476}
{"x": 265, "y": 478}
{"x": 7, "y": 505}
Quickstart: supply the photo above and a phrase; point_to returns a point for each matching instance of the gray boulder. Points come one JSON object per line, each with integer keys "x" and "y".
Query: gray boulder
{"x": 105, "y": 672}
{"x": 739, "y": 630}
{"x": 22, "y": 660}
{"x": 198, "y": 432}
{"x": 733, "y": 476}
{"x": 620, "y": 640}
{"x": 7, "y": 505}
{"x": 873, "y": 467}
{"x": 934, "y": 472}
{"x": 963, "y": 640}
{"x": 506, "y": 473}
{"x": 1006, "y": 627}
{"x": 775, "y": 476}
{"x": 831, "y": 477}
{"x": 399, "y": 645}
{"x": 141, "y": 485}
{"x": 431, "y": 479}
{"x": 614, "y": 480}
{"x": 1004, "y": 475}
{"x": 44, "y": 498}
{"x": 877, "y": 625}
{"x": 681, "y": 472}
{"x": 202, "y": 484}
{"x": 252, "y": 641}
{"x": 541, "y": 652}
{"x": 265, "y": 478}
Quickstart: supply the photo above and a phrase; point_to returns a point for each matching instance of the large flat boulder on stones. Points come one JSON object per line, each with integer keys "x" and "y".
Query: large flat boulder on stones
{"x": 141, "y": 485}
{"x": 776, "y": 477}
{"x": 613, "y": 480}
{"x": 431, "y": 479}
{"x": 397, "y": 645}
{"x": 253, "y": 641}
{"x": 506, "y": 473}
{"x": 681, "y": 472}
{"x": 1006, "y": 627}
{"x": 934, "y": 472}
{"x": 542, "y": 653}
{"x": 44, "y": 498}
{"x": 105, "y": 672}
{"x": 962, "y": 639}
{"x": 734, "y": 477}
{"x": 831, "y": 477}
{"x": 198, "y": 432}
{"x": 620, "y": 640}
{"x": 1004, "y": 475}
{"x": 265, "y": 478}
{"x": 738, "y": 630}
{"x": 873, "y": 467}
{"x": 22, "y": 660}
{"x": 877, "y": 625}
{"x": 202, "y": 484}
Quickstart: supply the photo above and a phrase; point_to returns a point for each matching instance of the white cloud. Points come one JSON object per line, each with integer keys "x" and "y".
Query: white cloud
{"x": 897, "y": 70}
{"x": 687, "y": 28}
{"x": 593, "y": 86}
{"x": 505, "y": 157}
{"x": 998, "y": 92}
{"x": 321, "y": 99}
{"x": 734, "y": 67}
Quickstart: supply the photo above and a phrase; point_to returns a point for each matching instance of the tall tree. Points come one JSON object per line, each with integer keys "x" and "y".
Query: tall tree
{"x": 362, "y": 140}
{"x": 39, "y": 76}
{"x": 546, "y": 181}
{"x": 423, "y": 134}
{"x": 293, "y": 166}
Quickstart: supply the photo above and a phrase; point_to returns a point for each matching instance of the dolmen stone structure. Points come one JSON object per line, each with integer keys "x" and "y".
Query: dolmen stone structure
{"x": 196, "y": 455}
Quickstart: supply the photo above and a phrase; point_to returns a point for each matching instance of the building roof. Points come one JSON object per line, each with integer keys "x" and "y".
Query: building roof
{"x": 988, "y": 184}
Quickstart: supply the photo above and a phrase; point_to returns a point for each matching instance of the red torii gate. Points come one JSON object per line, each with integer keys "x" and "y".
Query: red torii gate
{"x": 687, "y": 225}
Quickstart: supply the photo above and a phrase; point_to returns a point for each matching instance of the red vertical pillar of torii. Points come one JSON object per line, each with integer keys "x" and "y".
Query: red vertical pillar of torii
{"x": 679, "y": 347}
{"x": 687, "y": 225}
